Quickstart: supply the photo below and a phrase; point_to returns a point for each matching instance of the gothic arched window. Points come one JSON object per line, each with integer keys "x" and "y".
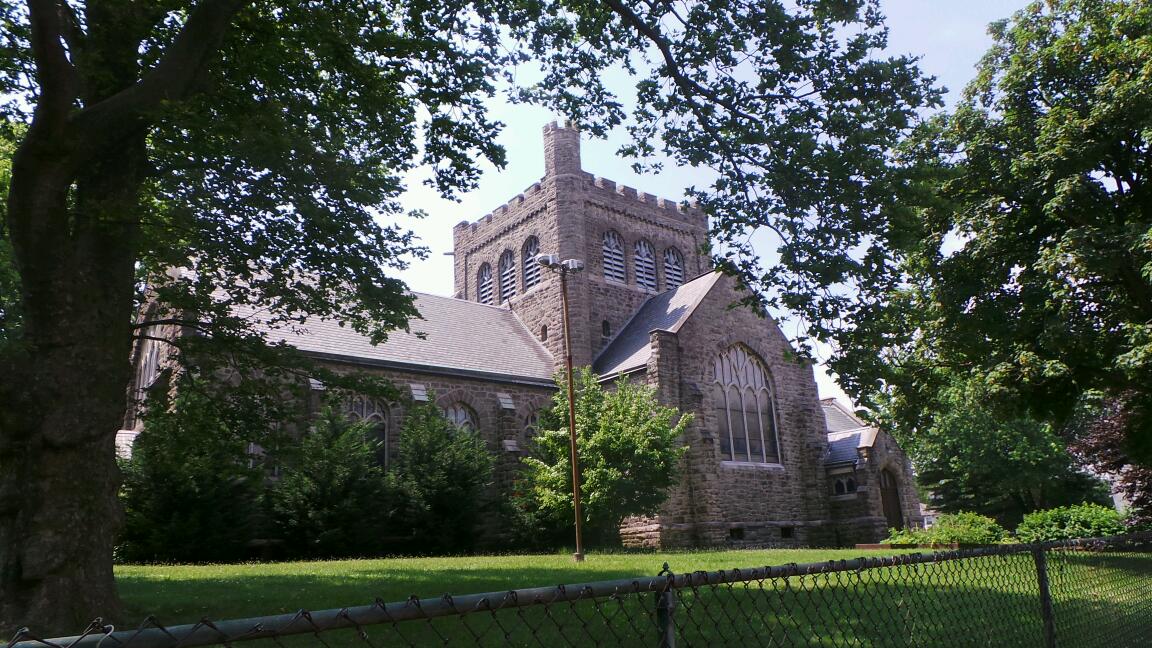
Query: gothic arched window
{"x": 532, "y": 424}
{"x": 614, "y": 257}
{"x": 528, "y": 260}
{"x": 362, "y": 408}
{"x": 673, "y": 268}
{"x": 645, "y": 265}
{"x": 746, "y": 408}
{"x": 507, "y": 276}
{"x": 484, "y": 284}
{"x": 461, "y": 416}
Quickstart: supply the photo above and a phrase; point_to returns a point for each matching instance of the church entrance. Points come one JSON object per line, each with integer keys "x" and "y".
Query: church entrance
{"x": 890, "y": 498}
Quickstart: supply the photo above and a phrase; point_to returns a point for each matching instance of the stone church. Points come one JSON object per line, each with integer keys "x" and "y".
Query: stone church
{"x": 768, "y": 463}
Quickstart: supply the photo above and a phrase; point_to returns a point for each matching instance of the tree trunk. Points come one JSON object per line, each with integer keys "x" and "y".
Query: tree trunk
{"x": 64, "y": 391}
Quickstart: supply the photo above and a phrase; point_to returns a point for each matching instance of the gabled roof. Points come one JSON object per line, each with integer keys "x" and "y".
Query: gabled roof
{"x": 838, "y": 417}
{"x": 843, "y": 446}
{"x": 667, "y": 311}
{"x": 455, "y": 335}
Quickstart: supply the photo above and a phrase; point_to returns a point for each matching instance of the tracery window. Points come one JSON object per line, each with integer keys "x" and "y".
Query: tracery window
{"x": 532, "y": 424}
{"x": 746, "y": 409}
{"x": 673, "y": 269}
{"x": 375, "y": 413}
{"x": 528, "y": 259}
{"x": 614, "y": 257}
{"x": 461, "y": 416}
{"x": 645, "y": 264}
{"x": 507, "y": 276}
{"x": 484, "y": 284}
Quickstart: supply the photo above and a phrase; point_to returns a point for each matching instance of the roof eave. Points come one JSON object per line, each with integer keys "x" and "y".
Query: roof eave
{"x": 433, "y": 369}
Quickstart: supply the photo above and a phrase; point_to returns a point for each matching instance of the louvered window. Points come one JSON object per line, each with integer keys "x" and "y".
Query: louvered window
{"x": 746, "y": 409}
{"x": 528, "y": 259}
{"x": 613, "y": 257}
{"x": 484, "y": 284}
{"x": 673, "y": 269}
{"x": 507, "y": 276}
{"x": 645, "y": 261}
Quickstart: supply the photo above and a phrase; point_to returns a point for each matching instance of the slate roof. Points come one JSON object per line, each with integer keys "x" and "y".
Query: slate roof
{"x": 839, "y": 419}
{"x": 667, "y": 311}
{"x": 846, "y": 433}
{"x": 459, "y": 337}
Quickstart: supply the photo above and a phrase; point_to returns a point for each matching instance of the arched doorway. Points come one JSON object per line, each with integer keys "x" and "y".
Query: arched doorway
{"x": 890, "y": 498}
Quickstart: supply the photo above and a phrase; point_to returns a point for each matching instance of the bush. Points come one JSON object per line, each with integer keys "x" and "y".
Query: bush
{"x": 440, "y": 477}
{"x": 963, "y": 527}
{"x": 1067, "y": 522}
{"x": 189, "y": 491}
{"x": 332, "y": 500}
{"x": 630, "y": 451}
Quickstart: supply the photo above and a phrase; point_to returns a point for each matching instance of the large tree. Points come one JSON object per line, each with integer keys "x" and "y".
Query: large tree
{"x": 1025, "y": 262}
{"x": 259, "y": 146}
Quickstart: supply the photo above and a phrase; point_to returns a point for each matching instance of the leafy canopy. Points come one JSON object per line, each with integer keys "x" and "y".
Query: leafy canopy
{"x": 629, "y": 457}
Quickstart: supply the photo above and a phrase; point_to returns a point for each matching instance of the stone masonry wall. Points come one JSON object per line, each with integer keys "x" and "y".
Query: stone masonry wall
{"x": 720, "y": 502}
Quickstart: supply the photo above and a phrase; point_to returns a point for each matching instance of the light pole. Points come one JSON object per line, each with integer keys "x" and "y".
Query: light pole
{"x": 553, "y": 263}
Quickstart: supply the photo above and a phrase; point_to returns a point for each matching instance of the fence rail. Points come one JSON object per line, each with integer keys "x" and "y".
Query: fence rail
{"x": 1074, "y": 593}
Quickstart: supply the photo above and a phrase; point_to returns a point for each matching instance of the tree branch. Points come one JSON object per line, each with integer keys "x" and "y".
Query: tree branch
{"x": 686, "y": 85}
{"x": 173, "y": 76}
{"x": 55, "y": 73}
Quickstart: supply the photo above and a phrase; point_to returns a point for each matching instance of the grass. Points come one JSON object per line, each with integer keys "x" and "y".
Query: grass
{"x": 1098, "y": 600}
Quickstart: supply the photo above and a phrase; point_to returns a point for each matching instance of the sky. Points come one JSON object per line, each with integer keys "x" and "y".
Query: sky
{"x": 950, "y": 36}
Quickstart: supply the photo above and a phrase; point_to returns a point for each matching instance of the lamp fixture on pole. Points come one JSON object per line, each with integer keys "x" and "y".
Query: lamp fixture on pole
{"x": 553, "y": 263}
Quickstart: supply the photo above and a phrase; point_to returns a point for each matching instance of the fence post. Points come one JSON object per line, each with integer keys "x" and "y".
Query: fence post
{"x": 1040, "y": 555}
{"x": 665, "y": 610}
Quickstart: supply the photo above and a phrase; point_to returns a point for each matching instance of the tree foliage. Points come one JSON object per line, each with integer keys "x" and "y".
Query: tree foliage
{"x": 972, "y": 452}
{"x": 629, "y": 458}
{"x": 191, "y": 491}
{"x": 332, "y": 497}
{"x": 261, "y": 146}
{"x": 441, "y": 479}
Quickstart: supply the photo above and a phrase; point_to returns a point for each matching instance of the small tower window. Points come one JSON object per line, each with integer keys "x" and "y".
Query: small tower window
{"x": 606, "y": 328}
{"x": 544, "y": 333}
{"x": 528, "y": 260}
{"x": 673, "y": 269}
{"x": 645, "y": 262}
{"x": 613, "y": 257}
{"x": 484, "y": 284}
{"x": 507, "y": 276}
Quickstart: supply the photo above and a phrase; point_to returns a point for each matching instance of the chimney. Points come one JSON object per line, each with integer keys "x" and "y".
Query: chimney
{"x": 561, "y": 149}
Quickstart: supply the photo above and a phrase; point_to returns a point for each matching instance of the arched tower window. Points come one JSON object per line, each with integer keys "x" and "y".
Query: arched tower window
{"x": 528, "y": 260}
{"x": 614, "y": 257}
{"x": 645, "y": 263}
{"x": 673, "y": 268}
{"x": 507, "y": 276}
{"x": 461, "y": 416}
{"x": 362, "y": 408}
{"x": 746, "y": 408}
{"x": 484, "y": 284}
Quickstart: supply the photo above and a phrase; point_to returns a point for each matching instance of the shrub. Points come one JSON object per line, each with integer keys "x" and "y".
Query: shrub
{"x": 440, "y": 477}
{"x": 962, "y": 527}
{"x": 1066, "y": 522}
{"x": 189, "y": 491}
{"x": 332, "y": 500}
{"x": 629, "y": 454}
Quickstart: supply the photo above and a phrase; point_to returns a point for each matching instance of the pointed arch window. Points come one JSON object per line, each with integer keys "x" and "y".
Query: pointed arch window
{"x": 644, "y": 261}
{"x": 614, "y": 257}
{"x": 673, "y": 269}
{"x": 461, "y": 416}
{"x": 375, "y": 414}
{"x": 507, "y": 276}
{"x": 484, "y": 284}
{"x": 528, "y": 260}
{"x": 746, "y": 409}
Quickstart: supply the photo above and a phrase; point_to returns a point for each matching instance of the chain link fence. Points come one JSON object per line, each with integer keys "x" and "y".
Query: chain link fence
{"x": 1080, "y": 593}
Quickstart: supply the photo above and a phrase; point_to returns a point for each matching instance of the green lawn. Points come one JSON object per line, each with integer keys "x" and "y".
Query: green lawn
{"x": 1099, "y": 600}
